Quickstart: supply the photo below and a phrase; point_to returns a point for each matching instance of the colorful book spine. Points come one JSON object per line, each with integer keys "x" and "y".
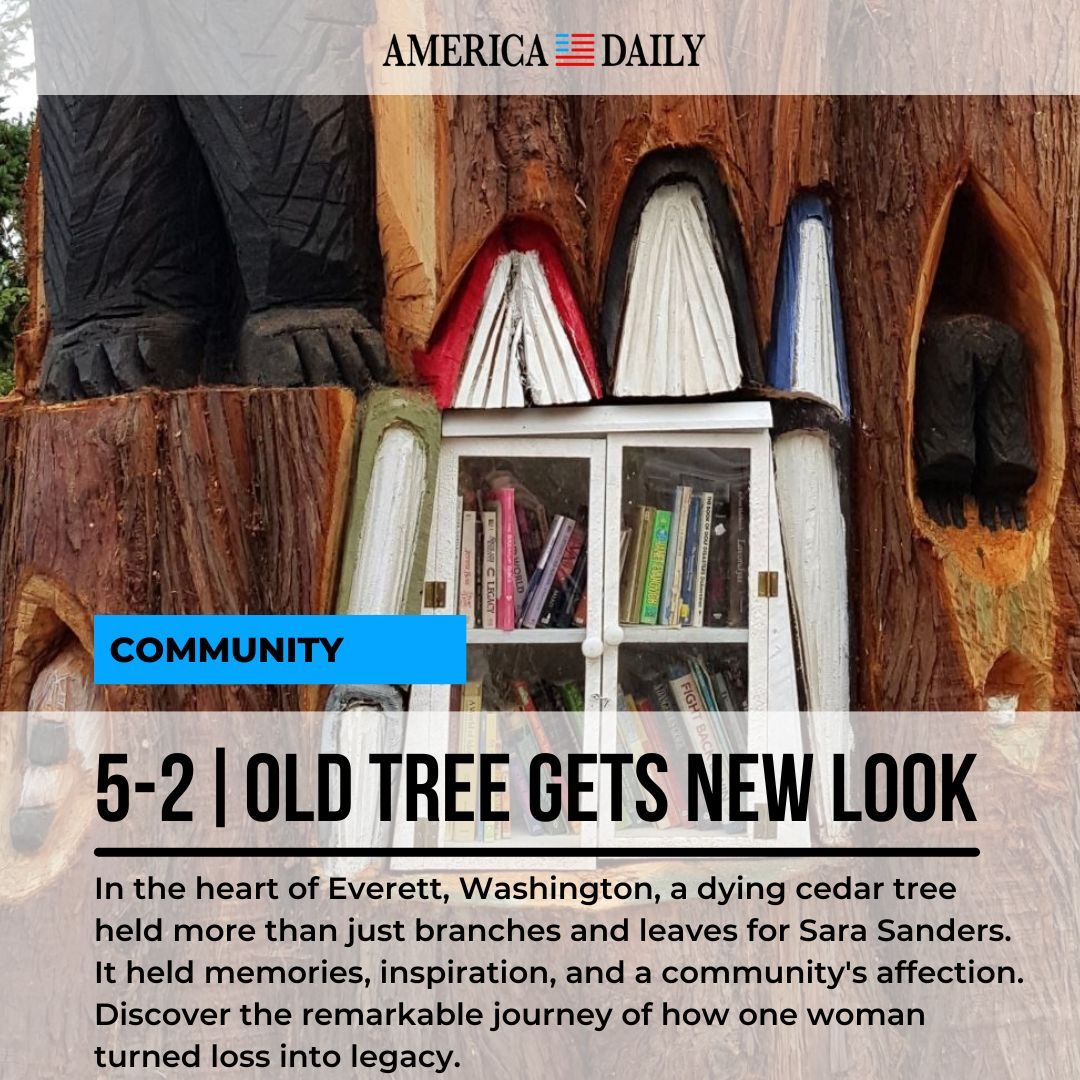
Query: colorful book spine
{"x": 573, "y": 698}
{"x": 690, "y": 550}
{"x": 581, "y": 612}
{"x": 545, "y": 697}
{"x": 556, "y": 597}
{"x": 532, "y": 541}
{"x": 641, "y": 744}
{"x": 701, "y": 570}
{"x": 630, "y": 790}
{"x": 668, "y": 781}
{"x": 523, "y": 745}
{"x": 637, "y": 558}
{"x": 469, "y": 743}
{"x": 492, "y": 829}
{"x": 654, "y": 569}
{"x": 734, "y": 730}
{"x": 661, "y": 695}
{"x": 505, "y": 604}
{"x": 490, "y": 570}
{"x": 689, "y": 701}
{"x": 554, "y": 532}
{"x": 705, "y": 687}
{"x": 574, "y": 590}
{"x": 521, "y": 573}
{"x": 466, "y": 604}
{"x": 519, "y": 796}
{"x": 565, "y": 739}
{"x": 670, "y": 587}
{"x": 531, "y": 615}
{"x": 453, "y": 735}
{"x": 738, "y": 551}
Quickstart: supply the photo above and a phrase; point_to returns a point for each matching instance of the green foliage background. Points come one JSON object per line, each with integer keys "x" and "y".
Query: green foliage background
{"x": 14, "y": 151}
{"x": 15, "y": 66}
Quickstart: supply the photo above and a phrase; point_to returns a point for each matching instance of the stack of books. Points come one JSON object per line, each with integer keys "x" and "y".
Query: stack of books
{"x": 518, "y": 566}
{"x": 685, "y": 561}
{"x": 702, "y": 706}
{"x": 538, "y": 717}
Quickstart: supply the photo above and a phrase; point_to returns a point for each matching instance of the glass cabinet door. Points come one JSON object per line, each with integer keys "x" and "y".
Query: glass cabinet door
{"x": 611, "y": 581}
{"x": 684, "y": 626}
{"x": 518, "y": 549}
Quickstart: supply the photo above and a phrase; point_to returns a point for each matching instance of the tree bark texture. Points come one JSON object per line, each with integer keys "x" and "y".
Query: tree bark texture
{"x": 216, "y": 500}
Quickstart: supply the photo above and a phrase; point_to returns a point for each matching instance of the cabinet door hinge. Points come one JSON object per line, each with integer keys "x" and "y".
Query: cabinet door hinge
{"x": 434, "y": 595}
{"x": 768, "y": 583}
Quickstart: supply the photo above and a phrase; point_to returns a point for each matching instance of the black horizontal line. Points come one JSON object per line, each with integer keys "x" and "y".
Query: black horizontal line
{"x": 543, "y": 852}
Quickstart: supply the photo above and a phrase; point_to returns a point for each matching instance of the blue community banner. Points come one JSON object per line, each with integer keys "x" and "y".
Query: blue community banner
{"x": 158, "y": 650}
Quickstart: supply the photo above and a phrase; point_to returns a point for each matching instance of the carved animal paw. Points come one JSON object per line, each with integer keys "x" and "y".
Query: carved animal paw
{"x": 945, "y": 505}
{"x": 1009, "y": 511}
{"x": 311, "y": 347}
{"x": 113, "y": 355}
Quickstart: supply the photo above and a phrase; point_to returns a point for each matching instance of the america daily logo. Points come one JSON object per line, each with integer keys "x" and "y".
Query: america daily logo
{"x": 570, "y": 50}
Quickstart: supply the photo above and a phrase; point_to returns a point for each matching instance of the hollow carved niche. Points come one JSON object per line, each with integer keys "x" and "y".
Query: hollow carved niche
{"x": 47, "y": 790}
{"x": 986, "y": 417}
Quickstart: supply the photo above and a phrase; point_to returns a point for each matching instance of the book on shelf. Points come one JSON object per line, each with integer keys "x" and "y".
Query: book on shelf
{"x": 490, "y": 570}
{"x": 738, "y": 557}
{"x": 581, "y": 611}
{"x": 519, "y": 780}
{"x": 630, "y": 790}
{"x": 653, "y": 582}
{"x": 649, "y": 741}
{"x": 701, "y": 558}
{"x": 518, "y": 565}
{"x": 565, "y": 610}
{"x": 468, "y": 742}
{"x": 544, "y": 577}
{"x": 466, "y": 603}
{"x": 678, "y": 713}
{"x": 686, "y": 563}
{"x": 637, "y": 557}
{"x": 669, "y": 739}
{"x": 671, "y": 589}
{"x": 506, "y": 602}
{"x": 624, "y": 547}
{"x": 520, "y": 718}
{"x": 554, "y": 609}
{"x": 688, "y": 585}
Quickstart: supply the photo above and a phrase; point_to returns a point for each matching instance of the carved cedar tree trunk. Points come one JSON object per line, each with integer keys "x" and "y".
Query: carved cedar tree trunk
{"x": 214, "y": 499}
{"x": 947, "y": 618}
{"x": 231, "y": 500}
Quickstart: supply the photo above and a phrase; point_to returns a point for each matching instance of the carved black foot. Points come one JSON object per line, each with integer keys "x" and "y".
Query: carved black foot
{"x": 110, "y": 356}
{"x": 1006, "y": 511}
{"x": 311, "y": 347}
{"x": 945, "y": 505}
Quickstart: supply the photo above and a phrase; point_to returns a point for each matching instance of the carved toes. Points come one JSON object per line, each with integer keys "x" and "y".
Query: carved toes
{"x": 311, "y": 347}
{"x": 1003, "y": 511}
{"x": 945, "y": 506}
{"x": 111, "y": 356}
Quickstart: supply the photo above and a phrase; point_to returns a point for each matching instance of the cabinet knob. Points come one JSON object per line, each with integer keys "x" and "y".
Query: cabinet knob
{"x": 613, "y": 635}
{"x": 592, "y": 648}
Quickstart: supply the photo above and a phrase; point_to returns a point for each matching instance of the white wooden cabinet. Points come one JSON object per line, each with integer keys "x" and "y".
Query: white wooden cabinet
{"x": 607, "y": 458}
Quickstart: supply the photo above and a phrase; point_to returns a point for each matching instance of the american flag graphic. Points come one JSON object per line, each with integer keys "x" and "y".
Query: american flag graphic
{"x": 575, "y": 50}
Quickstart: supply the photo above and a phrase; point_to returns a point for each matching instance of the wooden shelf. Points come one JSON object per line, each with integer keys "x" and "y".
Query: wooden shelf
{"x": 571, "y": 636}
{"x": 691, "y": 635}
